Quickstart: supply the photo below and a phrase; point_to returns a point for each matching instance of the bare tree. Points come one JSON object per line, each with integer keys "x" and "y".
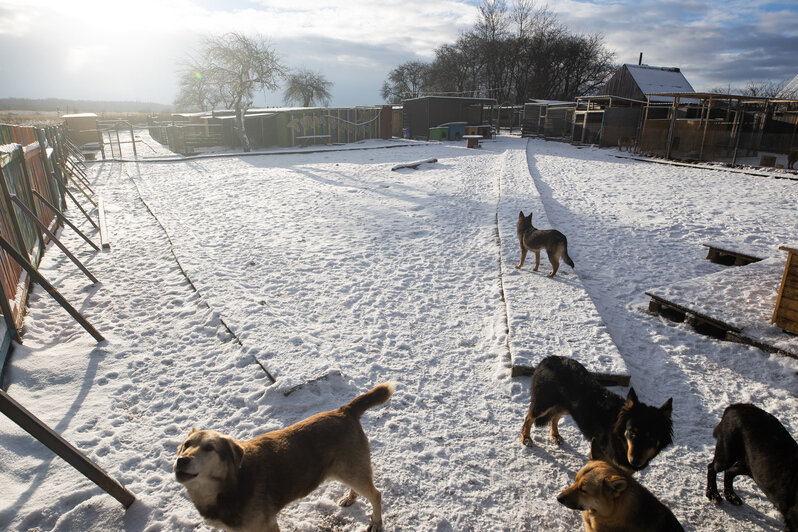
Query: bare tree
{"x": 405, "y": 81}
{"x": 234, "y": 66}
{"x": 195, "y": 92}
{"x": 306, "y": 87}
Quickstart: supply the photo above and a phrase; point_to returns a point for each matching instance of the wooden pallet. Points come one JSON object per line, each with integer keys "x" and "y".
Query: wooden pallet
{"x": 703, "y": 324}
{"x": 720, "y": 254}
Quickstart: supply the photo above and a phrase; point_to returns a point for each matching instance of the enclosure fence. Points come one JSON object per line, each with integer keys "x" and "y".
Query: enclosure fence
{"x": 31, "y": 169}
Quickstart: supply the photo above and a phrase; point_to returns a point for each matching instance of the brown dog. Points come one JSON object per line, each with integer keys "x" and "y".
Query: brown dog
{"x": 611, "y": 500}
{"x": 533, "y": 239}
{"x": 242, "y": 485}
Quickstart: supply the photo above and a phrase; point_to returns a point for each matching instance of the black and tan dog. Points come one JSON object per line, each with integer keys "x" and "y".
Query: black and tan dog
{"x": 242, "y": 485}
{"x": 752, "y": 442}
{"x": 532, "y": 239}
{"x": 626, "y": 142}
{"x": 611, "y": 500}
{"x": 631, "y": 433}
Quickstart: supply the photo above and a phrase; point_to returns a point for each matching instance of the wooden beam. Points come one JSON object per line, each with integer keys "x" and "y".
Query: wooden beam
{"x": 52, "y": 237}
{"x": 44, "y": 283}
{"x": 53, "y": 441}
{"x": 64, "y": 219}
{"x": 105, "y": 240}
{"x": 74, "y": 182}
{"x": 81, "y": 208}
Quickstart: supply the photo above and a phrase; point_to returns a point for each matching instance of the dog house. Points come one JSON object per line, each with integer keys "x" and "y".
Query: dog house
{"x": 786, "y": 313}
{"x": 82, "y": 128}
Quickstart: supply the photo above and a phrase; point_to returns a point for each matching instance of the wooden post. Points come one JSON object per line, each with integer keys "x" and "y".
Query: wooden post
{"x": 100, "y": 142}
{"x": 707, "y": 112}
{"x": 643, "y": 126}
{"x": 104, "y": 236}
{"x": 133, "y": 139}
{"x": 52, "y": 237}
{"x": 53, "y": 441}
{"x": 50, "y": 289}
{"x": 739, "y": 129}
{"x": 64, "y": 219}
{"x": 674, "y": 110}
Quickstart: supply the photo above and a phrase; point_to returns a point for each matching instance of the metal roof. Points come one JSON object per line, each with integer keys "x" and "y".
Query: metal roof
{"x": 657, "y": 80}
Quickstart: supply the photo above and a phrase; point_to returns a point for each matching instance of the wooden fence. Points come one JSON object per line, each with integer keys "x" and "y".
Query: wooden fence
{"x": 31, "y": 164}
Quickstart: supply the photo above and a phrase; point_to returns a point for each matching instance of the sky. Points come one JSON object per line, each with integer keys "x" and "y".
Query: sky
{"x": 108, "y": 50}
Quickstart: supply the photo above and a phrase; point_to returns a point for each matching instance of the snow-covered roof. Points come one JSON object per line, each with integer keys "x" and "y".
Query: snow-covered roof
{"x": 656, "y": 80}
{"x": 552, "y": 103}
{"x": 791, "y": 89}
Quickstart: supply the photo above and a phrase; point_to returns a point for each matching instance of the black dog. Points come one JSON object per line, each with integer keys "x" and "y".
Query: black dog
{"x": 629, "y": 432}
{"x": 752, "y": 442}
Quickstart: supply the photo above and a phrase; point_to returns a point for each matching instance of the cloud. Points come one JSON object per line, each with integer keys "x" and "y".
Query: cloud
{"x": 134, "y": 49}
{"x": 714, "y": 43}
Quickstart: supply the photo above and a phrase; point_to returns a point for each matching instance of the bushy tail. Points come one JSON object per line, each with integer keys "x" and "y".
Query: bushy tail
{"x": 567, "y": 259}
{"x": 376, "y": 396}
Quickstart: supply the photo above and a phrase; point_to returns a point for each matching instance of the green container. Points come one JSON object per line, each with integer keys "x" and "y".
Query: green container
{"x": 439, "y": 133}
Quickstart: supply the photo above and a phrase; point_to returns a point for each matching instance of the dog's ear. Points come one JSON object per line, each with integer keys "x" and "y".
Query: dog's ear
{"x": 631, "y": 399}
{"x": 596, "y": 453}
{"x": 521, "y": 215}
{"x": 236, "y": 452}
{"x": 616, "y": 484}
{"x": 667, "y": 408}
{"x": 192, "y": 431}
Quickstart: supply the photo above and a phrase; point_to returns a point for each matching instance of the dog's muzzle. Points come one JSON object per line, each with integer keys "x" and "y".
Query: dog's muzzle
{"x": 181, "y": 464}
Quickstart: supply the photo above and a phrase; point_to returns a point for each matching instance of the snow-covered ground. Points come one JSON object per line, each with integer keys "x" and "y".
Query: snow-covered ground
{"x": 336, "y": 274}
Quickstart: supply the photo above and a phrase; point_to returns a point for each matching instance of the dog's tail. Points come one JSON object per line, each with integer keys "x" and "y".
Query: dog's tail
{"x": 376, "y": 396}
{"x": 566, "y": 258}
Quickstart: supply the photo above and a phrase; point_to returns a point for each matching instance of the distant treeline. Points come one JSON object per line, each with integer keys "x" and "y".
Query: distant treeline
{"x": 63, "y": 106}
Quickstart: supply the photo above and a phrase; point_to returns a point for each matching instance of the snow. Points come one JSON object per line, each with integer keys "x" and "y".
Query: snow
{"x": 656, "y": 80}
{"x": 336, "y": 274}
{"x": 741, "y": 297}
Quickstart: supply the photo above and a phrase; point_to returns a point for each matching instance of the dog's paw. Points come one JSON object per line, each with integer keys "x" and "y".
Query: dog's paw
{"x": 527, "y": 440}
{"x": 733, "y": 498}
{"x": 347, "y": 499}
{"x": 557, "y": 439}
{"x": 714, "y": 496}
{"x": 374, "y": 527}
{"x": 517, "y": 266}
